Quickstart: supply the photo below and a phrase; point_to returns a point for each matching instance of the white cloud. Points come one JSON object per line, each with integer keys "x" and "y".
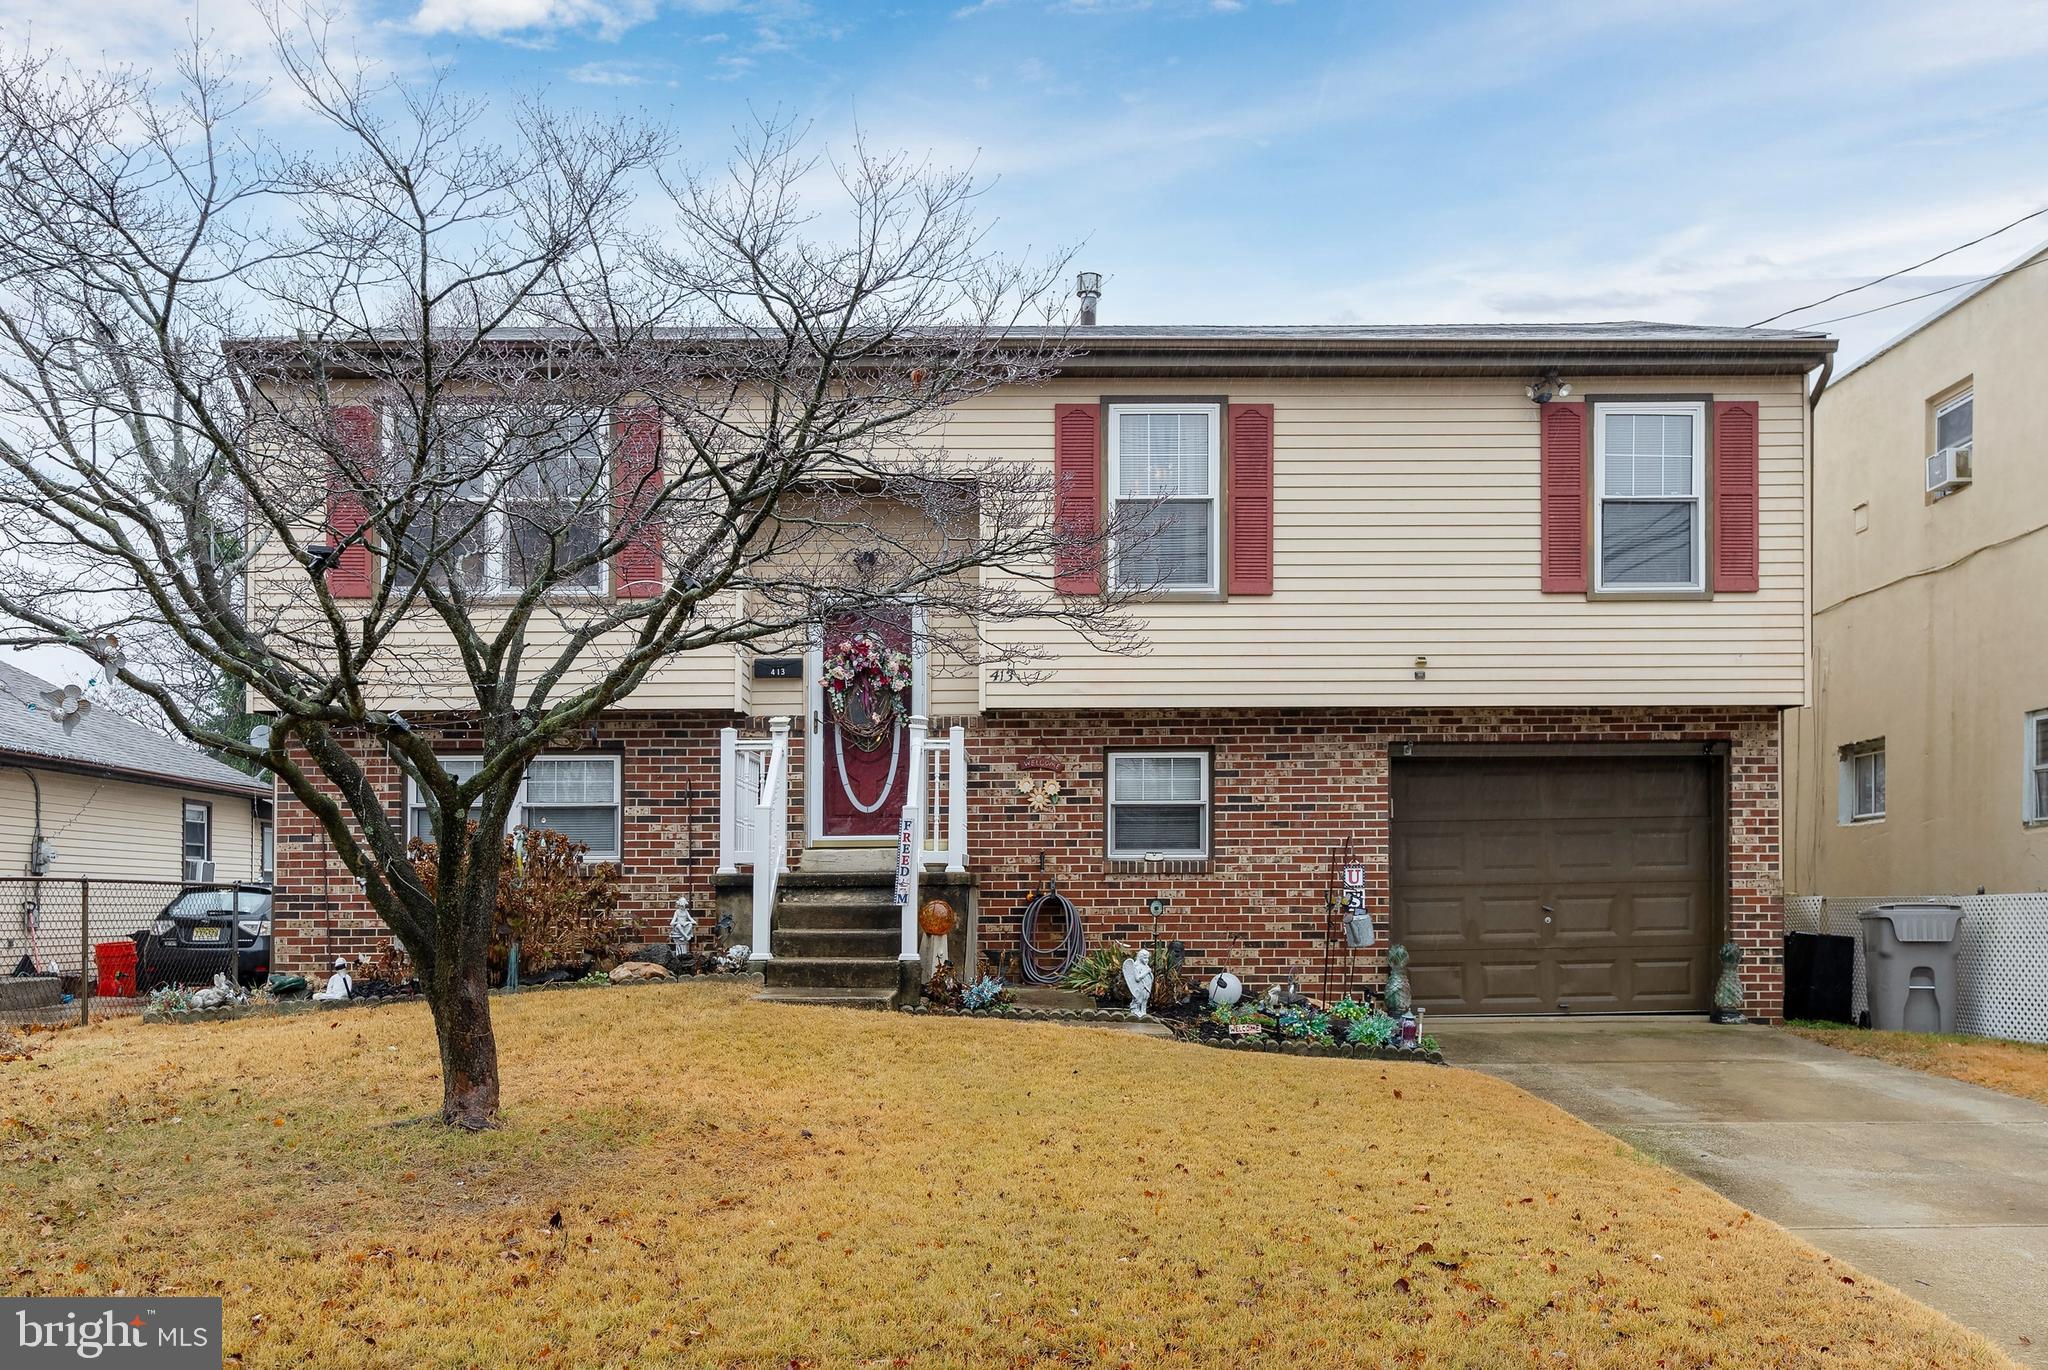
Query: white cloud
{"x": 508, "y": 18}
{"x": 609, "y": 74}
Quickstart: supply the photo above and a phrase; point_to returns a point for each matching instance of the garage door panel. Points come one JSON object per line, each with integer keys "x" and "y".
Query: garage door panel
{"x": 1595, "y": 984}
{"x": 1621, "y": 849}
{"x": 1442, "y": 986}
{"x": 1514, "y": 919}
{"x": 1517, "y": 982}
{"x": 1432, "y": 852}
{"x": 1588, "y": 916}
{"x": 1439, "y": 794}
{"x": 1502, "y": 853}
{"x": 1671, "y": 915}
{"x": 1428, "y": 920}
{"x": 1674, "y": 982}
{"x": 1675, "y": 850}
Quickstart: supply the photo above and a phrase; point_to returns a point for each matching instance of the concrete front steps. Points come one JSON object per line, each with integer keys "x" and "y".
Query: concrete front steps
{"x": 837, "y": 936}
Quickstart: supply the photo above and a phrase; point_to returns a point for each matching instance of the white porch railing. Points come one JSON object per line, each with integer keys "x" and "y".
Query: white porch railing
{"x": 936, "y": 813}
{"x": 753, "y": 817}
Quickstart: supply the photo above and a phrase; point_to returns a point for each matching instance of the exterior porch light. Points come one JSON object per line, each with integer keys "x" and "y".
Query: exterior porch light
{"x": 1547, "y": 387}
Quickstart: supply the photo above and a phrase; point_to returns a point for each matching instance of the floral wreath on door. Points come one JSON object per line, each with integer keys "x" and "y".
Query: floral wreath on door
{"x": 867, "y": 688}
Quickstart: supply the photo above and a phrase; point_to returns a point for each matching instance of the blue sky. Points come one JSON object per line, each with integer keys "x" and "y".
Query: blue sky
{"x": 1244, "y": 161}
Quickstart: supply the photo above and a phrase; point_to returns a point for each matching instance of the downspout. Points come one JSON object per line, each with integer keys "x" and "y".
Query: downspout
{"x": 35, "y": 841}
{"x": 1807, "y": 840}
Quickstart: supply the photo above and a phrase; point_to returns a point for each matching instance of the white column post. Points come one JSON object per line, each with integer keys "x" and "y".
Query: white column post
{"x": 914, "y": 814}
{"x": 956, "y": 801}
{"x": 771, "y": 832}
{"x": 728, "y": 799}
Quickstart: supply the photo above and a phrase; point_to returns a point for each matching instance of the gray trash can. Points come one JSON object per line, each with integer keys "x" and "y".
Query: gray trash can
{"x": 1909, "y": 966}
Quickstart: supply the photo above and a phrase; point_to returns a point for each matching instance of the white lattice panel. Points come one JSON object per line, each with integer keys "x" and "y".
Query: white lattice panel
{"x": 2001, "y": 967}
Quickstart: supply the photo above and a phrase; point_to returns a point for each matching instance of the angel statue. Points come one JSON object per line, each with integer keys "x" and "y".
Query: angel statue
{"x": 1138, "y": 979}
{"x": 682, "y": 929}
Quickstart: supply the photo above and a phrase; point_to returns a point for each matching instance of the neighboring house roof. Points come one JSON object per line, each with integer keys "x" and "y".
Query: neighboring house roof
{"x": 1954, "y": 303}
{"x": 103, "y": 742}
{"x": 1631, "y": 346}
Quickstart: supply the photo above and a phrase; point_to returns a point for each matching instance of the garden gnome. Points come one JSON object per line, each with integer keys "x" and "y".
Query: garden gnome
{"x": 1138, "y": 979}
{"x": 1397, "y": 998}
{"x": 339, "y": 985}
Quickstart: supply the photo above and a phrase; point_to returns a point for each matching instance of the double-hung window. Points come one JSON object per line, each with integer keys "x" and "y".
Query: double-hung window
{"x": 2034, "y": 759}
{"x": 577, "y": 796}
{"x": 198, "y": 836}
{"x": 1862, "y": 782}
{"x": 505, "y": 496}
{"x": 1164, "y": 481}
{"x": 1158, "y": 805}
{"x": 1649, "y": 496}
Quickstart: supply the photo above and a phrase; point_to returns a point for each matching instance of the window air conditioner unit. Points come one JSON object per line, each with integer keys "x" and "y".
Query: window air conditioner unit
{"x": 1948, "y": 470}
{"x": 198, "y": 872}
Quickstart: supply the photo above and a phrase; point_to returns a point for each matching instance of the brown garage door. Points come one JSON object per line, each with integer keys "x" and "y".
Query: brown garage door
{"x": 1546, "y": 885}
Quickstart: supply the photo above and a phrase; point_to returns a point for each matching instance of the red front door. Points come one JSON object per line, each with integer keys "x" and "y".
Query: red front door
{"x": 864, "y": 772}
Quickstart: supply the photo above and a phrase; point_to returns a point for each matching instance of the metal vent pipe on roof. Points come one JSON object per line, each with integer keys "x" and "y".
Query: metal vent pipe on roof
{"x": 1088, "y": 285}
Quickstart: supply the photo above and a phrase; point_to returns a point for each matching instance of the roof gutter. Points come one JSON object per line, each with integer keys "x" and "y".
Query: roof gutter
{"x": 99, "y": 771}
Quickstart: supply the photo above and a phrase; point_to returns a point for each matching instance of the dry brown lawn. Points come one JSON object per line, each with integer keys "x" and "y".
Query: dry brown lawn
{"x": 2016, "y": 1068}
{"x": 687, "y": 1177}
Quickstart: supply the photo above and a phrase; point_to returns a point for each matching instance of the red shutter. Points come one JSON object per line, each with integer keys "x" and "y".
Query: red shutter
{"x": 1735, "y": 496}
{"x": 1077, "y": 497}
{"x": 1251, "y": 499}
{"x": 637, "y": 572}
{"x": 355, "y": 433}
{"x": 1563, "y": 498}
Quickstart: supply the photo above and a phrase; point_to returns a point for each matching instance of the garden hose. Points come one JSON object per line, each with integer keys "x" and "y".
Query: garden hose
{"x": 1047, "y": 964}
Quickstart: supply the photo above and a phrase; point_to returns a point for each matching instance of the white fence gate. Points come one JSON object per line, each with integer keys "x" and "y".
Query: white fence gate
{"x": 2001, "y": 967}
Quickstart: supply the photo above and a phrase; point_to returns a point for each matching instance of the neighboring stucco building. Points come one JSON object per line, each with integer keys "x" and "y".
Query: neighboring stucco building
{"x": 114, "y": 801}
{"x": 1922, "y": 767}
{"x": 1523, "y": 655}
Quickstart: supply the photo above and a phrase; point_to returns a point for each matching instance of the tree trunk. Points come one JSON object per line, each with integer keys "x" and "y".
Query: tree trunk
{"x": 459, "y": 996}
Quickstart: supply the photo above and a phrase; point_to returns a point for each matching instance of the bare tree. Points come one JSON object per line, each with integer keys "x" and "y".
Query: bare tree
{"x": 432, "y": 416}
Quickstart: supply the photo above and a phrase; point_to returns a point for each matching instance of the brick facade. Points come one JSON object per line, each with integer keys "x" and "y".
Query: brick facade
{"x": 669, "y": 789}
{"x": 1289, "y": 787}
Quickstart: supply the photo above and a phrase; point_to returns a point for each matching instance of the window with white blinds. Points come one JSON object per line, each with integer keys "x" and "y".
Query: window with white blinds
{"x": 577, "y": 796}
{"x": 1649, "y": 481}
{"x": 1158, "y": 805}
{"x": 1164, "y": 481}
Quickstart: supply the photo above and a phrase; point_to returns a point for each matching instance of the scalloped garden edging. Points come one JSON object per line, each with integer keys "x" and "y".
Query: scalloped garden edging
{"x": 1271, "y": 1045}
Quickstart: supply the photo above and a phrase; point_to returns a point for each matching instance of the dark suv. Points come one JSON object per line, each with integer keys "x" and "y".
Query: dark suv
{"x": 189, "y": 941}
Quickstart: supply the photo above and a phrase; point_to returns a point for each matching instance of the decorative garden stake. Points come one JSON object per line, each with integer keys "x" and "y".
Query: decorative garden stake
{"x": 1728, "y": 990}
{"x": 1397, "y": 999}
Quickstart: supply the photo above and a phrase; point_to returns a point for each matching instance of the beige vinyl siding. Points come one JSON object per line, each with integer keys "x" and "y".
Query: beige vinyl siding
{"x": 1930, "y": 628}
{"x": 1406, "y": 526}
{"x": 120, "y": 829}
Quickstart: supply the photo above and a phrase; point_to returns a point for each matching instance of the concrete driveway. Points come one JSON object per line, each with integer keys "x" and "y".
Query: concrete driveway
{"x": 1936, "y": 1187}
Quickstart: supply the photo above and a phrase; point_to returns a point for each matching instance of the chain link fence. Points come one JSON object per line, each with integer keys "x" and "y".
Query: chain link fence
{"x": 75, "y": 950}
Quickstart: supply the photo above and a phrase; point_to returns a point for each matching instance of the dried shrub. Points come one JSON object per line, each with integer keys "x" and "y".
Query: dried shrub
{"x": 562, "y": 911}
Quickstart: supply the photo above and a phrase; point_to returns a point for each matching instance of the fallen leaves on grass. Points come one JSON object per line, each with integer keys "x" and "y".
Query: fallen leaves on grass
{"x": 708, "y": 1180}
